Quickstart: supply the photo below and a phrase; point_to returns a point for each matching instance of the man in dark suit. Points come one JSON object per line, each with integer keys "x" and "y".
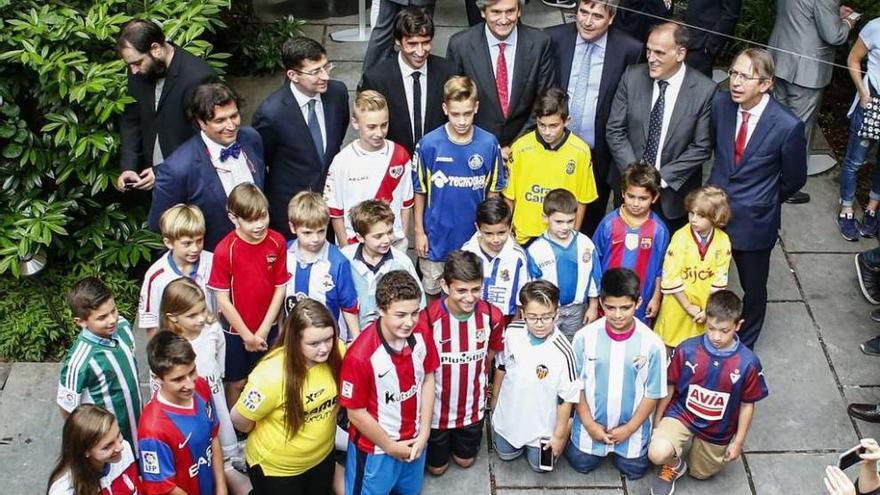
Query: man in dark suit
{"x": 637, "y": 17}
{"x": 760, "y": 161}
{"x": 717, "y": 16}
{"x": 509, "y": 62}
{"x": 161, "y": 79}
{"x": 380, "y": 46}
{"x": 660, "y": 115}
{"x": 204, "y": 170}
{"x": 412, "y": 82}
{"x": 591, "y": 58}
{"x": 302, "y": 125}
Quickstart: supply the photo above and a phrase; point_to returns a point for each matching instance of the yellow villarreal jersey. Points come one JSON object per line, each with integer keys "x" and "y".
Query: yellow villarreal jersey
{"x": 536, "y": 170}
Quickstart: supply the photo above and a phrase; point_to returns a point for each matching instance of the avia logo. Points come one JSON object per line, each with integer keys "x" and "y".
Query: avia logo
{"x": 707, "y": 404}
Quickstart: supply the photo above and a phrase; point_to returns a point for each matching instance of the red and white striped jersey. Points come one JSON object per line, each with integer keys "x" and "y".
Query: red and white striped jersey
{"x": 387, "y": 383}
{"x": 463, "y": 347}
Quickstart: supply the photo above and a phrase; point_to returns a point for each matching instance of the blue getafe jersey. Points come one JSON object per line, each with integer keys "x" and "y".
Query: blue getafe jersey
{"x": 455, "y": 179}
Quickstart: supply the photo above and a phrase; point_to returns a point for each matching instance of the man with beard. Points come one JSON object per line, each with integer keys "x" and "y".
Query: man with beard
{"x": 161, "y": 79}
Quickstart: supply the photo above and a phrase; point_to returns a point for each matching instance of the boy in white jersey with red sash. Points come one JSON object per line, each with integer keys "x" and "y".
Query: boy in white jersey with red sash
{"x": 467, "y": 331}
{"x": 371, "y": 167}
{"x": 388, "y": 389}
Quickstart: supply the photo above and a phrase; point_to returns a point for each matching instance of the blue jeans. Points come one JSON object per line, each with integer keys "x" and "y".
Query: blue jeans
{"x": 583, "y": 463}
{"x": 856, "y": 153}
{"x": 507, "y": 452}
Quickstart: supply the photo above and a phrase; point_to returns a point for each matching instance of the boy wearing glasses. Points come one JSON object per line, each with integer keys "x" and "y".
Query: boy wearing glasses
{"x": 535, "y": 383}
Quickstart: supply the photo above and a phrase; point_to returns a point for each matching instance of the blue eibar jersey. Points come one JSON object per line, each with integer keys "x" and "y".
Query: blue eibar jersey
{"x": 455, "y": 178}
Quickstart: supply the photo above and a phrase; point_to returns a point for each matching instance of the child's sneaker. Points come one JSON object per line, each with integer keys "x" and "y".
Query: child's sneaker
{"x": 848, "y": 228}
{"x": 869, "y": 279}
{"x": 664, "y": 482}
{"x": 868, "y": 226}
{"x": 871, "y": 347}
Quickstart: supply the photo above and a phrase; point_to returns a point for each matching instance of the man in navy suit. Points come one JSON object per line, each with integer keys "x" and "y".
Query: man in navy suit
{"x": 204, "y": 169}
{"x": 302, "y": 125}
{"x": 591, "y": 58}
{"x": 760, "y": 161}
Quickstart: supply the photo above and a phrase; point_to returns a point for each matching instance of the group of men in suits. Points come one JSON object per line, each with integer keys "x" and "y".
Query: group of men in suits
{"x": 663, "y": 112}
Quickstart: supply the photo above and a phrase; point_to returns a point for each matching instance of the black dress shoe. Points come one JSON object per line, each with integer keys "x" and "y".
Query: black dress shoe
{"x": 798, "y": 198}
{"x": 865, "y": 412}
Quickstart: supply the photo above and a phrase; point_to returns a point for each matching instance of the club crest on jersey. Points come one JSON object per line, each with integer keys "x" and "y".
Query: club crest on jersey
{"x": 587, "y": 256}
{"x": 396, "y": 171}
{"x": 253, "y": 399}
{"x": 480, "y": 335}
{"x": 569, "y": 167}
{"x": 541, "y": 371}
{"x": 270, "y": 260}
{"x": 150, "y": 461}
{"x": 505, "y": 275}
{"x": 707, "y": 404}
{"x": 646, "y": 243}
{"x": 327, "y": 284}
{"x": 475, "y": 162}
{"x": 639, "y": 362}
{"x": 734, "y": 376}
{"x": 631, "y": 241}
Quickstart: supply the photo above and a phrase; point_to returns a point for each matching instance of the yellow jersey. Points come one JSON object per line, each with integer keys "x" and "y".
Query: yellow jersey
{"x": 535, "y": 170}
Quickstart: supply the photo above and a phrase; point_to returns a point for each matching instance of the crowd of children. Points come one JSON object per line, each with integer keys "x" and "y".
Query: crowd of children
{"x": 618, "y": 345}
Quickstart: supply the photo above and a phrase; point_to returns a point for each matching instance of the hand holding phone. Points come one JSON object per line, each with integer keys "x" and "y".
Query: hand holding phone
{"x": 854, "y": 17}
{"x": 851, "y": 457}
{"x": 546, "y": 461}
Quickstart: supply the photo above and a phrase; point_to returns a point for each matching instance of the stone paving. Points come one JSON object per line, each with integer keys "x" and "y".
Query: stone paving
{"x": 816, "y": 319}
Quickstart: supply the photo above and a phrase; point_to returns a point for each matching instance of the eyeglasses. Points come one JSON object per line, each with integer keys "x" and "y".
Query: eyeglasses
{"x": 745, "y": 77}
{"x": 316, "y": 72}
{"x": 535, "y": 319}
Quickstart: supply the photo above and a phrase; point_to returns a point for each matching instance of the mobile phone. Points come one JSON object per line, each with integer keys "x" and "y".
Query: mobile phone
{"x": 854, "y": 16}
{"x": 126, "y": 185}
{"x": 850, "y": 457}
{"x": 546, "y": 461}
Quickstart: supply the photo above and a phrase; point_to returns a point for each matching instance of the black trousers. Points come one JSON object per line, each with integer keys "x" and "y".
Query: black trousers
{"x": 753, "y": 268}
{"x": 316, "y": 481}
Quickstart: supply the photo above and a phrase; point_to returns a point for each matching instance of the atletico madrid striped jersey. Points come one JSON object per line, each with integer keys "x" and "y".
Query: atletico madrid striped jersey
{"x": 640, "y": 249}
{"x": 387, "y": 383}
{"x": 463, "y": 347}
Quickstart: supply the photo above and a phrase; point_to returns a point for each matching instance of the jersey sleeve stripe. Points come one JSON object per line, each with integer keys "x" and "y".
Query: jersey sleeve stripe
{"x": 565, "y": 348}
{"x": 75, "y": 366}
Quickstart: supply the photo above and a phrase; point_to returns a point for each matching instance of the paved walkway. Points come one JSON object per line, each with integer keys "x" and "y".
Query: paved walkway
{"x": 809, "y": 347}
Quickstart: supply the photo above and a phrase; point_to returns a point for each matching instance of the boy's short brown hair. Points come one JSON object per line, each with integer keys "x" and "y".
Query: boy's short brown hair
{"x": 551, "y": 101}
{"x": 460, "y": 88}
{"x": 182, "y": 220}
{"x": 369, "y": 101}
{"x": 308, "y": 209}
{"x": 463, "y": 266}
{"x": 87, "y": 295}
{"x": 710, "y": 202}
{"x": 539, "y": 291}
{"x": 247, "y": 201}
{"x": 724, "y": 305}
{"x": 368, "y": 213}
{"x": 641, "y": 174}
{"x": 167, "y": 350}
{"x": 396, "y": 285}
{"x": 560, "y": 201}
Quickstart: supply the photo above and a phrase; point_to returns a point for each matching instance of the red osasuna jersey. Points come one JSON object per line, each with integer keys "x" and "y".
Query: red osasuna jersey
{"x": 118, "y": 478}
{"x": 387, "y": 383}
{"x": 463, "y": 347}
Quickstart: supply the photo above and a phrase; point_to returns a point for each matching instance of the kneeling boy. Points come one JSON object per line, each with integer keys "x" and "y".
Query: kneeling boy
{"x": 705, "y": 370}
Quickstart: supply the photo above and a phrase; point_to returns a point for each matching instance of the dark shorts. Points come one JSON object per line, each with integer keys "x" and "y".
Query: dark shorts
{"x": 463, "y": 443}
{"x": 318, "y": 480}
{"x": 240, "y": 362}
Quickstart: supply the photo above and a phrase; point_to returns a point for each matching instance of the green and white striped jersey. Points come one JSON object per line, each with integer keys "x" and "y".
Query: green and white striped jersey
{"x": 103, "y": 371}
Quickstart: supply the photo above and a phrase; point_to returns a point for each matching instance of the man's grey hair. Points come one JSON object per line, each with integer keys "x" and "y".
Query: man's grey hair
{"x": 610, "y": 5}
{"x": 482, "y": 4}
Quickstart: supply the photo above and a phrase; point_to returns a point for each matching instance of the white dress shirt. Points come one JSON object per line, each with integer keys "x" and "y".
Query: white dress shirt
{"x": 509, "y": 56}
{"x": 671, "y": 97}
{"x": 303, "y": 102}
{"x": 754, "y": 116}
{"x": 233, "y": 171}
{"x": 407, "y": 72}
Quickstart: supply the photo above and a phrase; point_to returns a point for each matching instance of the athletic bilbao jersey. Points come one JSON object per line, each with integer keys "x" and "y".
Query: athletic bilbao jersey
{"x": 640, "y": 249}
{"x": 175, "y": 444}
{"x": 161, "y": 273}
{"x": 250, "y": 273}
{"x": 455, "y": 178}
{"x": 574, "y": 268}
{"x": 357, "y": 175}
{"x": 326, "y": 279}
{"x": 504, "y": 275}
{"x": 387, "y": 383}
{"x": 710, "y": 385}
{"x": 617, "y": 375}
{"x": 117, "y": 478}
{"x": 463, "y": 347}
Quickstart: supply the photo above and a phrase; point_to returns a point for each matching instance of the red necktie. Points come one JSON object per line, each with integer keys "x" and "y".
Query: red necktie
{"x": 741, "y": 138}
{"x": 501, "y": 80}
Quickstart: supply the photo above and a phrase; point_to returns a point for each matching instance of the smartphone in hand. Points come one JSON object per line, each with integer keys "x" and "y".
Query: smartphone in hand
{"x": 850, "y": 458}
{"x": 546, "y": 461}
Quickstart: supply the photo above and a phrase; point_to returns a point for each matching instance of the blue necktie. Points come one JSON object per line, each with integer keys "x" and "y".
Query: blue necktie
{"x": 655, "y": 125}
{"x": 579, "y": 111}
{"x": 232, "y": 151}
{"x": 315, "y": 128}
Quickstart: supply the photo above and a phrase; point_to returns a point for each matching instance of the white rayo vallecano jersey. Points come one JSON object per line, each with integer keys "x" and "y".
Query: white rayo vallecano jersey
{"x": 535, "y": 376}
{"x": 161, "y": 273}
{"x": 356, "y": 175}
{"x": 463, "y": 347}
{"x": 503, "y": 275}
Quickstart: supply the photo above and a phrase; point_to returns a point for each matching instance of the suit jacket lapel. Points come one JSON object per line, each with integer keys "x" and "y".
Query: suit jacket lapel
{"x": 645, "y": 92}
{"x": 567, "y": 57}
{"x": 522, "y": 62}
{"x": 170, "y": 77}
{"x": 397, "y": 88}
{"x": 329, "y": 124}
{"x": 682, "y": 103}
{"x": 762, "y": 130}
{"x": 298, "y": 120}
{"x": 209, "y": 174}
{"x": 485, "y": 71}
